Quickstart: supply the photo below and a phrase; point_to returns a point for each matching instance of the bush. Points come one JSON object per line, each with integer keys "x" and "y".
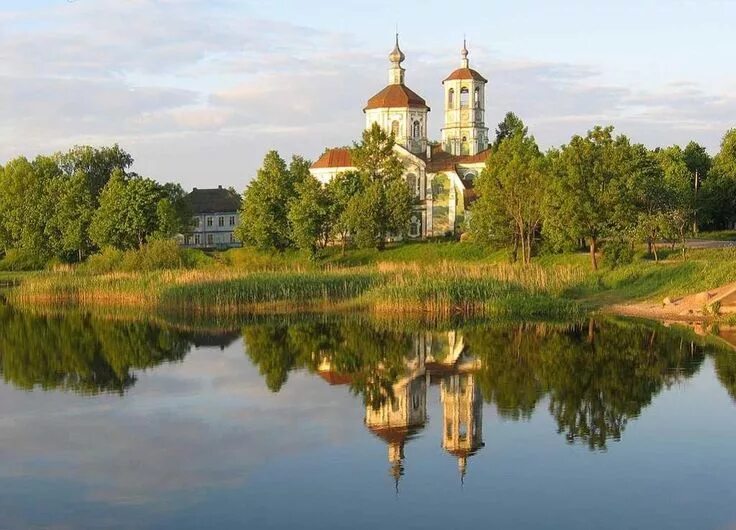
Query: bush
{"x": 21, "y": 260}
{"x": 617, "y": 252}
{"x": 157, "y": 254}
{"x": 108, "y": 260}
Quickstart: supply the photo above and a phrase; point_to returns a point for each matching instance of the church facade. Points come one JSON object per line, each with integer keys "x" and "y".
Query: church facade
{"x": 441, "y": 175}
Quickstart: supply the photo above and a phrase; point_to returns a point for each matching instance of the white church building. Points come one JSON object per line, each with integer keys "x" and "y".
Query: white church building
{"x": 441, "y": 175}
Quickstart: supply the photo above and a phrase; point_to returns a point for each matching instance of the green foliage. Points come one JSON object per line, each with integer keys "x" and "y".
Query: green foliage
{"x": 511, "y": 191}
{"x": 157, "y": 254}
{"x": 511, "y": 126}
{"x": 310, "y": 216}
{"x": 383, "y": 206}
{"x": 588, "y": 194}
{"x": 21, "y": 259}
{"x": 264, "y": 222}
{"x": 617, "y": 252}
{"x": 130, "y": 212}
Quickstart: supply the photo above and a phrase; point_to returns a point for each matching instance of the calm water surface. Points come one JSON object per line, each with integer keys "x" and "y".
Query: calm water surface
{"x": 346, "y": 423}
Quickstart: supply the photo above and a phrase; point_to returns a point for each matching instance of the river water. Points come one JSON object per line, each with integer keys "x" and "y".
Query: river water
{"x": 111, "y": 421}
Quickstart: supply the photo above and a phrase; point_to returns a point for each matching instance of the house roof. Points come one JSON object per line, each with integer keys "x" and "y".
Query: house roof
{"x": 396, "y": 96}
{"x": 337, "y": 157}
{"x": 465, "y": 73}
{"x": 213, "y": 200}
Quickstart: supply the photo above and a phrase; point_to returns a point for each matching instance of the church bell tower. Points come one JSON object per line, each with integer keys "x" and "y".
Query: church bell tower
{"x": 465, "y": 131}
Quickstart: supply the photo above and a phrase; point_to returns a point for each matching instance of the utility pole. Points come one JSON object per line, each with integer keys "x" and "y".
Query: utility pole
{"x": 695, "y": 208}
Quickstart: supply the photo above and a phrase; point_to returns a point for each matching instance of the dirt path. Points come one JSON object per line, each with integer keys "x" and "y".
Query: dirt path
{"x": 694, "y": 307}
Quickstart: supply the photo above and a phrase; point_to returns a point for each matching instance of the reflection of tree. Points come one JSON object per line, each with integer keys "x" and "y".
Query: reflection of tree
{"x": 596, "y": 377}
{"x": 374, "y": 358}
{"x": 725, "y": 362}
{"x": 80, "y": 353}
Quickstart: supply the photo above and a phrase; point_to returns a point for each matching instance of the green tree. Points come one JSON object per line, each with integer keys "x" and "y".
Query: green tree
{"x": 128, "y": 210}
{"x": 510, "y": 126}
{"x": 588, "y": 196}
{"x": 719, "y": 190}
{"x": 309, "y": 215}
{"x": 698, "y": 163}
{"x": 384, "y": 206}
{"x": 264, "y": 219}
{"x": 341, "y": 189}
{"x": 511, "y": 190}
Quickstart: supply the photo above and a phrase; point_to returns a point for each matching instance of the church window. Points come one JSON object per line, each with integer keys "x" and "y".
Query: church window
{"x": 416, "y": 129}
{"x": 451, "y": 98}
{"x": 448, "y": 429}
{"x": 463, "y": 431}
{"x": 464, "y": 147}
{"x": 395, "y": 128}
{"x": 476, "y": 98}
{"x": 464, "y": 97}
{"x": 413, "y": 182}
{"x": 415, "y": 227}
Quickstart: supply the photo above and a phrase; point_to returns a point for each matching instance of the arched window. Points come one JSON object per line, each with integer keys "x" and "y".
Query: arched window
{"x": 476, "y": 98}
{"x": 451, "y": 98}
{"x": 464, "y": 97}
{"x": 464, "y": 147}
{"x": 416, "y": 130}
{"x": 395, "y": 128}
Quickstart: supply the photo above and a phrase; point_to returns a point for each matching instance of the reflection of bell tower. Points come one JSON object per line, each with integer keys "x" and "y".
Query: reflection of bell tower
{"x": 462, "y": 409}
{"x": 399, "y": 418}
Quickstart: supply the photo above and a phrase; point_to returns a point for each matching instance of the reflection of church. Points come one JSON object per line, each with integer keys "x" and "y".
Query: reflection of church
{"x": 441, "y": 174}
{"x": 403, "y": 414}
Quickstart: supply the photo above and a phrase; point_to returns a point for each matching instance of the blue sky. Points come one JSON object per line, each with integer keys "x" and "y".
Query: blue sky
{"x": 199, "y": 90}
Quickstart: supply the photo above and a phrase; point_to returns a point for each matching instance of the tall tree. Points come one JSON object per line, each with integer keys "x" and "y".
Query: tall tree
{"x": 719, "y": 190}
{"x": 264, "y": 219}
{"x": 698, "y": 163}
{"x": 341, "y": 189}
{"x": 309, "y": 215}
{"x": 511, "y": 190}
{"x": 128, "y": 210}
{"x": 588, "y": 195}
{"x": 384, "y": 206}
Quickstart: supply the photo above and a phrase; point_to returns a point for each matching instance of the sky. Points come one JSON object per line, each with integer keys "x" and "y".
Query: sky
{"x": 199, "y": 90}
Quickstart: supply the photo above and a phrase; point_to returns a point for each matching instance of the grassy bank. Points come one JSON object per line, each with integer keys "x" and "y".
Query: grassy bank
{"x": 442, "y": 279}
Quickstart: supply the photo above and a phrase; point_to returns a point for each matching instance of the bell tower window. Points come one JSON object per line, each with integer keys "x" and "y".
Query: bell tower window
{"x": 416, "y": 129}
{"x": 395, "y": 128}
{"x": 451, "y": 98}
{"x": 476, "y": 98}
{"x": 464, "y": 97}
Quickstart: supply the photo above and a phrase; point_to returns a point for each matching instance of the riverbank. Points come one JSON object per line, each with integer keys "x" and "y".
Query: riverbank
{"x": 440, "y": 279}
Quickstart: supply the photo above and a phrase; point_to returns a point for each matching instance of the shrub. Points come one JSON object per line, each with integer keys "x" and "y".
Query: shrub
{"x": 21, "y": 260}
{"x": 617, "y": 252}
{"x": 108, "y": 260}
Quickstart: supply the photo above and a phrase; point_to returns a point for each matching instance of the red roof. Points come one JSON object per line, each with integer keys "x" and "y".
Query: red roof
{"x": 396, "y": 96}
{"x": 336, "y": 379}
{"x": 338, "y": 157}
{"x": 466, "y": 73}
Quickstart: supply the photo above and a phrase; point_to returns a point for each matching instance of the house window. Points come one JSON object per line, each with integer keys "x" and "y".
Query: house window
{"x": 197, "y": 240}
{"x": 395, "y": 128}
{"x": 464, "y": 97}
{"x": 232, "y": 238}
{"x": 197, "y": 221}
{"x": 232, "y": 220}
{"x": 220, "y": 221}
{"x": 209, "y": 221}
{"x": 416, "y": 130}
{"x": 451, "y": 98}
{"x": 210, "y": 239}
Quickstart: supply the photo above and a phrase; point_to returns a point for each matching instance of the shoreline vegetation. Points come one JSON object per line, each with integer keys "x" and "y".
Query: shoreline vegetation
{"x": 434, "y": 280}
